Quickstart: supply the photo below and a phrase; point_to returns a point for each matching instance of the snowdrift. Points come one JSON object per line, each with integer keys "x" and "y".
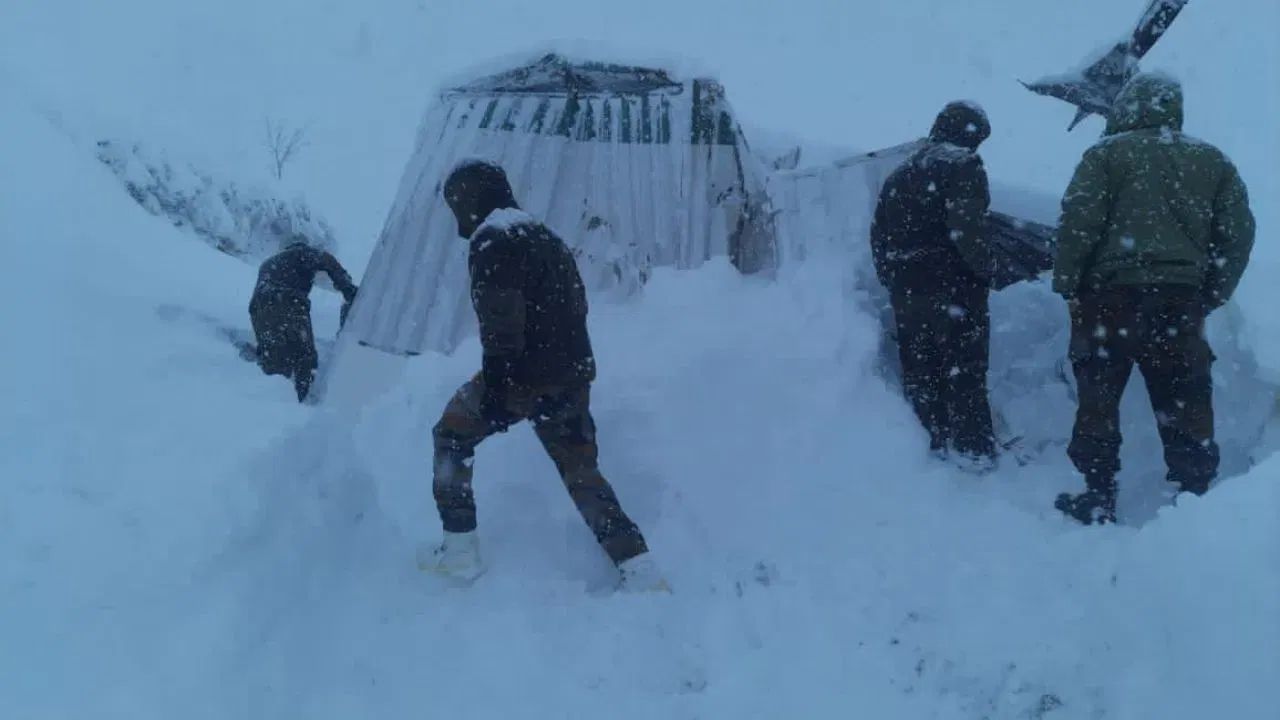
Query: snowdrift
{"x": 821, "y": 567}
{"x": 125, "y": 413}
{"x": 243, "y": 222}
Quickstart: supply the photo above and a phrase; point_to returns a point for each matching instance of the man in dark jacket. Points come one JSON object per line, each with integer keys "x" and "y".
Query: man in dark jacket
{"x": 537, "y": 365}
{"x": 1155, "y": 233}
{"x": 930, "y": 254}
{"x": 281, "y": 310}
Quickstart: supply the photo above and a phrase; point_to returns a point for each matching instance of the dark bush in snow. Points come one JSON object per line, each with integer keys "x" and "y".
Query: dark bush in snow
{"x": 243, "y": 222}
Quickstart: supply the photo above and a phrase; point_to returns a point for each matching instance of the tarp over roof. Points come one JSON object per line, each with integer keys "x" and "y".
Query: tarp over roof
{"x": 555, "y": 74}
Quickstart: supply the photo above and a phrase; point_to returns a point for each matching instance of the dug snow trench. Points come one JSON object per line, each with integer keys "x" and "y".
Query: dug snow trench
{"x": 820, "y": 564}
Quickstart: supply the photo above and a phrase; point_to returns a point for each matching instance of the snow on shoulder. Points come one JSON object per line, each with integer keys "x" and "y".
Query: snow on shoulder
{"x": 1161, "y": 76}
{"x": 945, "y": 152}
{"x": 503, "y": 219}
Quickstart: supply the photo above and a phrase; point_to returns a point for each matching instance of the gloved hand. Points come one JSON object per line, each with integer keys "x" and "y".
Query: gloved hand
{"x": 347, "y": 302}
{"x": 494, "y": 404}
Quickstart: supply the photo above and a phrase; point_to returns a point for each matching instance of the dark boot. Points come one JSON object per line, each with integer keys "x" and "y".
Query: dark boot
{"x": 302, "y": 380}
{"x": 1094, "y": 506}
{"x": 1195, "y": 487}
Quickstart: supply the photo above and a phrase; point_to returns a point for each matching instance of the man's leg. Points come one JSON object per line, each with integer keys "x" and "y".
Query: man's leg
{"x": 1102, "y": 367}
{"x": 261, "y": 331}
{"x": 303, "y": 355}
{"x": 302, "y": 380}
{"x": 921, "y": 350}
{"x": 1177, "y": 365}
{"x": 270, "y": 322}
{"x": 455, "y": 437}
{"x": 564, "y": 424}
{"x": 970, "y": 406}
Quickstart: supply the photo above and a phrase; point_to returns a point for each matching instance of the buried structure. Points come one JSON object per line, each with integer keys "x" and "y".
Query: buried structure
{"x": 636, "y": 169}
{"x": 632, "y": 168}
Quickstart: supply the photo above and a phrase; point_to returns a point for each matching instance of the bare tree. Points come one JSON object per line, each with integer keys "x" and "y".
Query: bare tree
{"x": 283, "y": 144}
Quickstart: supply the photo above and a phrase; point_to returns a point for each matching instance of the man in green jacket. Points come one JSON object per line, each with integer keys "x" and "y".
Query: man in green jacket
{"x": 1155, "y": 233}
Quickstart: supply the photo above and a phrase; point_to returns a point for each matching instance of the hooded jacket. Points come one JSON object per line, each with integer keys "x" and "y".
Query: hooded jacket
{"x": 528, "y": 295}
{"x": 280, "y": 309}
{"x": 929, "y": 219}
{"x": 1149, "y": 205}
{"x": 294, "y": 270}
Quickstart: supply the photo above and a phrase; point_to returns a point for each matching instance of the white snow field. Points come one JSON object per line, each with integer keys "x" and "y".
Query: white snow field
{"x": 180, "y": 539}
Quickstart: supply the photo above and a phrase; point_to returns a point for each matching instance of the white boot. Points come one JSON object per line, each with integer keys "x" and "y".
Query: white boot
{"x": 975, "y": 464}
{"x": 640, "y": 574}
{"x": 457, "y": 558}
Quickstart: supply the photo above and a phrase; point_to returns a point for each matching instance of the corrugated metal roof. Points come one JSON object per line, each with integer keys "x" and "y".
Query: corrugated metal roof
{"x": 555, "y": 74}
{"x": 630, "y": 181}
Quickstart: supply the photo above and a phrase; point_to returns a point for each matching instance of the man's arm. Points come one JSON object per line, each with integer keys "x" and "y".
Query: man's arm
{"x": 1232, "y": 237}
{"x": 1083, "y": 224}
{"x": 880, "y": 246}
{"x": 497, "y": 293}
{"x": 338, "y": 274}
{"x": 968, "y": 198}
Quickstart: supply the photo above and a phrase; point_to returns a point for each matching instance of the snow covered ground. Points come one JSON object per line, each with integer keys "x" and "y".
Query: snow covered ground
{"x": 180, "y": 539}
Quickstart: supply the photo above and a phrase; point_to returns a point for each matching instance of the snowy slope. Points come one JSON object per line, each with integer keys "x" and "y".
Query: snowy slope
{"x": 179, "y": 539}
{"x": 203, "y": 77}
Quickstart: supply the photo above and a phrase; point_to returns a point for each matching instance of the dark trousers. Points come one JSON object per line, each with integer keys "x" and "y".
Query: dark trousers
{"x": 286, "y": 344}
{"x": 1161, "y": 330}
{"x": 562, "y": 420}
{"x": 944, "y": 336}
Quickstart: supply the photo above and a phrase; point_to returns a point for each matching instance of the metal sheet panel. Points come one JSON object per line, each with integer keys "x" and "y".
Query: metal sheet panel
{"x": 619, "y": 177}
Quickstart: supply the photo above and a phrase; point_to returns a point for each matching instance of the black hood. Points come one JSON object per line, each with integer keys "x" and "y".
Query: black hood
{"x": 473, "y": 190}
{"x": 961, "y": 123}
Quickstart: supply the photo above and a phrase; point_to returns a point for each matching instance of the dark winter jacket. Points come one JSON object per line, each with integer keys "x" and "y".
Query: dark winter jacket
{"x": 294, "y": 270}
{"x": 282, "y": 326}
{"x": 1149, "y": 205}
{"x": 929, "y": 220}
{"x": 281, "y": 309}
{"x": 528, "y": 295}
{"x": 531, "y": 304}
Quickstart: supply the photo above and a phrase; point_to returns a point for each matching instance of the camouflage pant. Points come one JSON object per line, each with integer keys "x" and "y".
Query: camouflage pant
{"x": 943, "y": 344}
{"x": 1161, "y": 330}
{"x": 562, "y": 421}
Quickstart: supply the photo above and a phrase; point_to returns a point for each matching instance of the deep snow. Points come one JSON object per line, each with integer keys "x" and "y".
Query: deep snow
{"x": 179, "y": 539}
